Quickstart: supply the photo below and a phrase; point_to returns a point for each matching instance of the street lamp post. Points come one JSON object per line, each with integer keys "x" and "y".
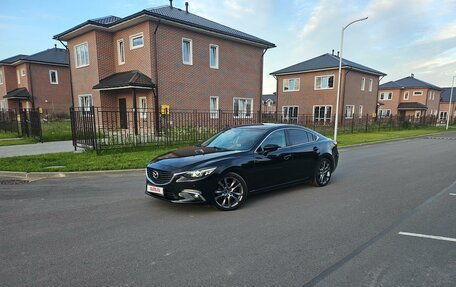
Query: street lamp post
{"x": 340, "y": 73}
{"x": 449, "y": 104}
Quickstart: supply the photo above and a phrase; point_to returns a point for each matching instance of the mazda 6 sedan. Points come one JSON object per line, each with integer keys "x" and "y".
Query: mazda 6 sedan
{"x": 239, "y": 161}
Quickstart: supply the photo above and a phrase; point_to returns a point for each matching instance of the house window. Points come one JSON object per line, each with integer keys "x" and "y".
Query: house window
{"x": 136, "y": 41}
{"x": 443, "y": 116}
{"x": 3, "y": 105}
{"x": 386, "y": 96}
{"x": 242, "y": 107}
{"x": 384, "y": 113}
{"x": 291, "y": 85}
{"x": 322, "y": 113}
{"x": 363, "y": 83}
{"x": 406, "y": 96}
{"x": 360, "y": 111}
{"x": 431, "y": 95}
{"x": 417, "y": 93}
{"x": 187, "y": 51}
{"x": 121, "y": 51}
{"x": 81, "y": 53}
{"x": 418, "y": 114}
{"x": 143, "y": 107}
{"x": 290, "y": 114}
{"x": 85, "y": 102}
{"x": 53, "y": 77}
{"x": 371, "y": 83}
{"x": 214, "y": 56}
{"x": 349, "y": 111}
{"x": 1, "y": 77}
{"x": 324, "y": 82}
{"x": 213, "y": 107}
{"x": 23, "y": 72}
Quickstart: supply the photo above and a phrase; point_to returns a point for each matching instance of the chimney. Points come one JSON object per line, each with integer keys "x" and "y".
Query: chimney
{"x": 186, "y": 7}
{"x": 55, "y": 46}
{"x": 171, "y": 3}
{"x": 332, "y": 52}
{"x": 337, "y": 53}
{"x": 412, "y": 75}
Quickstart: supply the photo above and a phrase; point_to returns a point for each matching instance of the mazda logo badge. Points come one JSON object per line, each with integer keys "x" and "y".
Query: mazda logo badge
{"x": 155, "y": 174}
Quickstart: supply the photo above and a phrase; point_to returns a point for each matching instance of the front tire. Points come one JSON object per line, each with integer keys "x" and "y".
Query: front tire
{"x": 231, "y": 192}
{"x": 323, "y": 172}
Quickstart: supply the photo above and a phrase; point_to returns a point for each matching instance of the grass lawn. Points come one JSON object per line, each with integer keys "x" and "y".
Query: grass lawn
{"x": 138, "y": 158}
{"x": 52, "y": 131}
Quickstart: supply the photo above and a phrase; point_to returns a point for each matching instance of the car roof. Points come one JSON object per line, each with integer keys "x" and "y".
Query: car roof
{"x": 270, "y": 126}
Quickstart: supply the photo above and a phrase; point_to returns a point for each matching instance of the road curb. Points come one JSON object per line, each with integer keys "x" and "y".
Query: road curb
{"x": 73, "y": 174}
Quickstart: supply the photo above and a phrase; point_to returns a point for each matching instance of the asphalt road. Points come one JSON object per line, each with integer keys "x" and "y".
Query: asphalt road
{"x": 105, "y": 232}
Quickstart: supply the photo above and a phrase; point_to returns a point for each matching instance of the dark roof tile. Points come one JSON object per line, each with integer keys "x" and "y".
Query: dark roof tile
{"x": 125, "y": 79}
{"x": 446, "y": 94}
{"x": 50, "y": 56}
{"x": 409, "y": 82}
{"x": 13, "y": 59}
{"x": 18, "y": 94}
{"x": 411, "y": 106}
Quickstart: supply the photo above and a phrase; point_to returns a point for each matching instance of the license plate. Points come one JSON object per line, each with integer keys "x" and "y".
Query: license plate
{"x": 155, "y": 189}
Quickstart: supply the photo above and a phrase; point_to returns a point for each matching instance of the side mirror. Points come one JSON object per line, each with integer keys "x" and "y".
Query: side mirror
{"x": 269, "y": 148}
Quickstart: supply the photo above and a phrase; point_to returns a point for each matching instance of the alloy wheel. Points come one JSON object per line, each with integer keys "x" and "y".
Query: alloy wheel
{"x": 230, "y": 193}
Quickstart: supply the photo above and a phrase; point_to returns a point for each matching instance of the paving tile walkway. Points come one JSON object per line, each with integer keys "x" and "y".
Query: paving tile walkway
{"x": 38, "y": 148}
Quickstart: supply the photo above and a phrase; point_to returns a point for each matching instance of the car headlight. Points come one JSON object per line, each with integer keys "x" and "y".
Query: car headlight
{"x": 195, "y": 174}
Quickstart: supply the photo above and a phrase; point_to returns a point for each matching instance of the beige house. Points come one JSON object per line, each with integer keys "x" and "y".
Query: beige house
{"x": 308, "y": 89}
{"x": 408, "y": 97}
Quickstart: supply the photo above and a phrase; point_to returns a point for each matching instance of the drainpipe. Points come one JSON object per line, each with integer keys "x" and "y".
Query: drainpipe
{"x": 261, "y": 86}
{"x": 156, "y": 103}
{"x": 31, "y": 84}
{"x": 71, "y": 77}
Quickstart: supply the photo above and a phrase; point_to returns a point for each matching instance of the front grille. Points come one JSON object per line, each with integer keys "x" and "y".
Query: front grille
{"x": 161, "y": 176}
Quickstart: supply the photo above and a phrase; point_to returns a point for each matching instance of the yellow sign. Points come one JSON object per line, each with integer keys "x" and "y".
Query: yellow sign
{"x": 165, "y": 109}
{"x": 40, "y": 109}
{"x": 374, "y": 115}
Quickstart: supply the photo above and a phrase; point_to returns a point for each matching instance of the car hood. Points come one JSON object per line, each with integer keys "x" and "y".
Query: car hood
{"x": 190, "y": 156}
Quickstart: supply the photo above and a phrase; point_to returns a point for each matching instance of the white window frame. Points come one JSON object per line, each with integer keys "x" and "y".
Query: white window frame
{"x": 243, "y": 114}
{"x": 286, "y": 85}
{"x": 120, "y": 52}
{"x": 346, "y": 115}
{"x": 384, "y": 113}
{"x": 18, "y": 77}
{"x": 371, "y": 84}
{"x": 216, "y": 60}
{"x": 363, "y": 83}
{"x": 134, "y": 36}
{"x": 385, "y": 99}
{"x": 286, "y": 115}
{"x": 3, "y": 105}
{"x": 78, "y": 60}
{"x": 56, "y": 77}
{"x": 417, "y": 93}
{"x": 406, "y": 96}
{"x": 23, "y": 73}
{"x": 360, "y": 111}
{"x": 190, "y": 54}
{"x": 443, "y": 115}
{"x": 417, "y": 114}
{"x": 214, "y": 113}
{"x": 1, "y": 77}
{"x": 142, "y": 103}
{"x": 324, "y": 117}
{"x": 81, "y": 104}
{"x": 321, "y": 81}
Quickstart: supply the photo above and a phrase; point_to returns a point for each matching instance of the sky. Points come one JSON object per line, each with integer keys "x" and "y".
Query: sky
{"x": 400, "y": 37}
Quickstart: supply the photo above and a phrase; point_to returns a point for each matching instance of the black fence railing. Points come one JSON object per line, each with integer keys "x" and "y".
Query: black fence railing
{"x": 104, "y": 128}
{"x": 24, "y": 123}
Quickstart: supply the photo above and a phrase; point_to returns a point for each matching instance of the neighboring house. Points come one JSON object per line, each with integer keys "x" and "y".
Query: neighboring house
{"x": 269, "y": 103}
{"x": 408, "y": 97}
{"x": 41, "y": 80}
{"x": 165, "y": 58}
{"x": 445, "y": 96}
{"x": 310, "y": 88}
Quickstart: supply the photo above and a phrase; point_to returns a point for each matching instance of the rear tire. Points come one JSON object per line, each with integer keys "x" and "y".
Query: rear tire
{"x": 231, "y": 192}
{"x": 323, "y": 172}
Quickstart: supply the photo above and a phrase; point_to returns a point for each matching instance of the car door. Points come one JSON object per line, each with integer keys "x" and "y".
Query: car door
{"x": 304, "y": 150}
{"x": 272, "y": 168}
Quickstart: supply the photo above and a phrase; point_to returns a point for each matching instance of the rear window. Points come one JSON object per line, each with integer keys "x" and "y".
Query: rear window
{"x": 297, "y": 136}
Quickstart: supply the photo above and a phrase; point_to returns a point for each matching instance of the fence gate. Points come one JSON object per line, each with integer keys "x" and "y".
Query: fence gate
{"x": 31, "y": 124}
{"x": 83, "y": 128}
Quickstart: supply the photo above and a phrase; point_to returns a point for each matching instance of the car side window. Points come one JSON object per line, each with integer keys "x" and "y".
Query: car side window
{"x": 277, "y": 137}
{"x": 297, "y": 136}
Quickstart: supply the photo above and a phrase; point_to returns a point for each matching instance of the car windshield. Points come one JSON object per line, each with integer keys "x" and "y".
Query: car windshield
{"x": 235, "y": 139}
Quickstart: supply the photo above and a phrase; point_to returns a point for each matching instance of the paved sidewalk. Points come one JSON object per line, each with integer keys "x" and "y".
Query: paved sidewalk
{"x": 38, "y": 148}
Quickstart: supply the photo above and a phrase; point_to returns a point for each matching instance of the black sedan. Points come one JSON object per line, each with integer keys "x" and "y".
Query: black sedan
{"x": 241, "y": 160}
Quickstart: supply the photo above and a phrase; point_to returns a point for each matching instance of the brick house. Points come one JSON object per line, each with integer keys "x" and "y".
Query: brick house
{"x": 269, "y": 103}
{"x": 165, "y": 58}
{"x": 41, "y": 80}
{"x": 445, "y": 96}
{"x": 309, "y": 89}
{"x": 408, "y": 97}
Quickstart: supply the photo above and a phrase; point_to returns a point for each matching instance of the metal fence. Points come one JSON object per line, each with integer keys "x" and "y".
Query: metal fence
{"x": 103, "y": 128}
{"x": 24, "y": 123}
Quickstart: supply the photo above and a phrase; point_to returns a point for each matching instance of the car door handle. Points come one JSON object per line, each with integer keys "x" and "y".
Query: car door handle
{"x": 316, "y": 149}
{"x": 287, "y": 157}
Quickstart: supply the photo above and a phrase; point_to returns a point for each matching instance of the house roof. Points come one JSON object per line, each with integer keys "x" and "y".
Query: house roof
{"x": 411, "y": 106}
{"x": 172, "y": 15}
{"x": 446, "y": 94}
{"x": 18, "y": 94}
{"x": 272, "y": 97}
{"x": 324, "y": 62}
{"x": 54, "y": 56}
{"x": 125, "y": 80}
{"x": 408, "y": 82}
